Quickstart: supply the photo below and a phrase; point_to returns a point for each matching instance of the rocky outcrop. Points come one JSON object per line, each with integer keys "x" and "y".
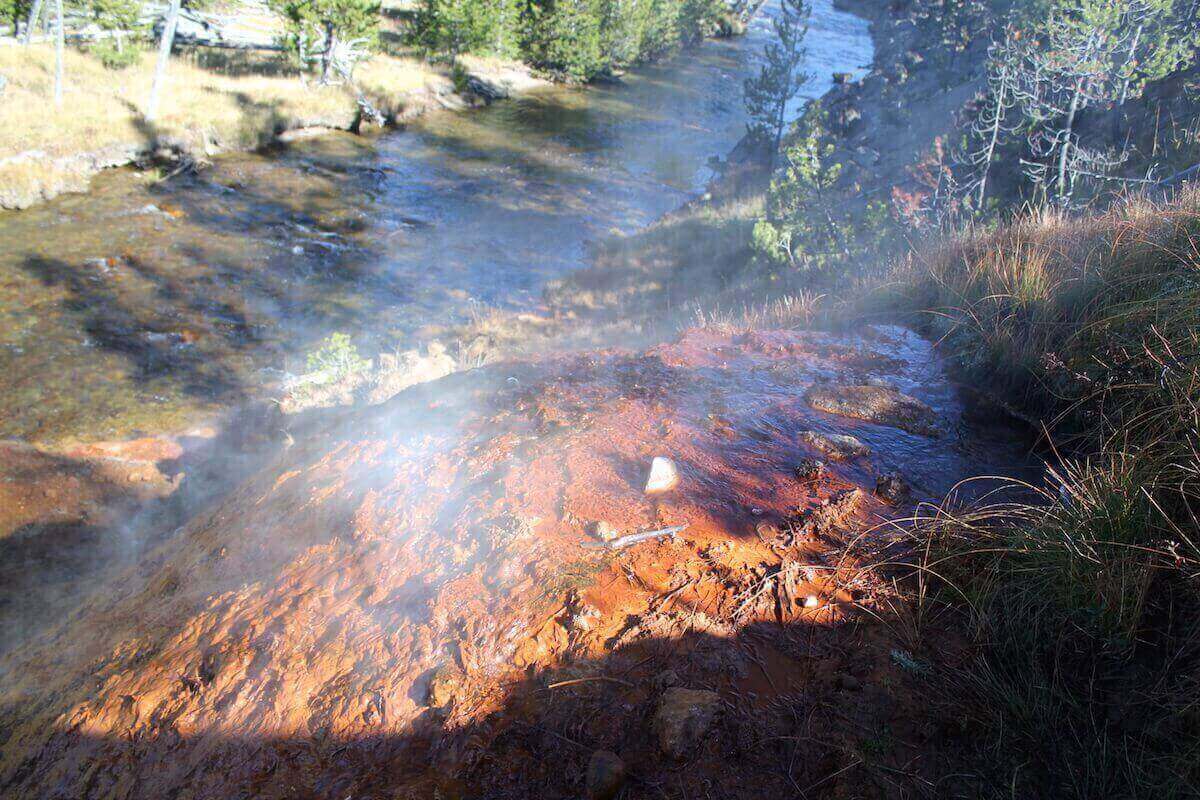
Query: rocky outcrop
{"x": 838, "y": 446}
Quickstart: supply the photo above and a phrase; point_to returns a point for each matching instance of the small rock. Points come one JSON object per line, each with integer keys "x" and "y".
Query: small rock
{"x": 666, "y": 679}
{"x": 443, "y": 687}
{"x": 877, "y": 404}
{"x": 663, "y": 476}
{"x": 767, "y": 531}
{"x": 604, "y": 531}
{"x": 812, "y": 601}
{"x": 605, "y": 775}
{"x": 838, "y": 446}
{"x": 683, "y": 718}
{"x": 891, "y": 487}
{"x": 809, "y": 469}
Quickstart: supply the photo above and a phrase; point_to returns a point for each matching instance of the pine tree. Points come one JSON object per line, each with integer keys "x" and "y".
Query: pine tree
{"x": 994, "y": 120}
{"x": 800, "y": 228}
{"x": 117, "y": 16}
{"x": 780, "y": 79}
{"x": 576, "y": 39}
{"x": 463, "y": 26}
{"x": 1086, "y": 53}
{"x": 332, "y": 33}
{"x": 13, "y": 13}
{"x": 564, "y": 36}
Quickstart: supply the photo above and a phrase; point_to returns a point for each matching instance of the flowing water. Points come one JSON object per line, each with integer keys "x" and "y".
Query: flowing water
{"x": 141, "y": 306}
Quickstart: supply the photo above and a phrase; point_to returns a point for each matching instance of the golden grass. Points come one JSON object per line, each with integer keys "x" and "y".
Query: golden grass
{"x": 102, "y": 108}
{"x": 1084, "y": 663}
{"x": 1050, "y": 305}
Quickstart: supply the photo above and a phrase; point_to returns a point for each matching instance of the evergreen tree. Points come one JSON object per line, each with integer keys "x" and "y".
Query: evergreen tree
{"x": 577, "y": 39}
{"x": 994, "y": 120}
{"x": 564, "y": 36}
{"x": 799, "y": 227}
{"x": 331, "y": 32}
{"x": 117, "y": 16}
{"x": 1086, "y": 53}
{"x": 463, "y": 26}
{"x": 780, "y": 79}
{"x": 13, "y": 13}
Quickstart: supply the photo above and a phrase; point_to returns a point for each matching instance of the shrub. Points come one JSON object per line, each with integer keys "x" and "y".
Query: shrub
{"x": 114, "y": 57}
{"x": 336, "y": 359}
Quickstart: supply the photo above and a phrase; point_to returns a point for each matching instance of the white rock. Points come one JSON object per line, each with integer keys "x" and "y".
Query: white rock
{"x": 812, "y": 601}
{"x": 605, "y": 531}
{"x": 663, "y": 476}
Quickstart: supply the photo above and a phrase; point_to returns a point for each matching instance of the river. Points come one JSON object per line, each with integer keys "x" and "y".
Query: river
{"x": 142, "y": 306}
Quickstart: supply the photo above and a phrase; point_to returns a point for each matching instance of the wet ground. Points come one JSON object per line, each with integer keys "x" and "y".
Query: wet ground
{"x": 140, "y": 307}
{"x": 434, "y": 597}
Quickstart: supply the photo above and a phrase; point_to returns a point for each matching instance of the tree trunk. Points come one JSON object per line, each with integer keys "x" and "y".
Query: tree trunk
{"x": 59, "y": 36}
{"x": 1065, "y": 147}
{"x": 778, "y": 124}
{"x": 34, "y": 14}
{"x": 1133, "y": 46}
{"x": 164, "y": 55}
{"x": 991, "y": 148}
{"x": 327, "y": 53}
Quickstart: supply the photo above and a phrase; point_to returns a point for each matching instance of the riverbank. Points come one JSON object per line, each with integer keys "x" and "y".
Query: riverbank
{"x": 230, "y": 100}
{"x": 697, "y": 262}
{"x": 246, "y": 101}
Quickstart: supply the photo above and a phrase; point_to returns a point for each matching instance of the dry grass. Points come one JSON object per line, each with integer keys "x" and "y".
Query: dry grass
{"x": 1083, "y": 677}
{"x": 102, "y": 108}
{"x": 1055, "y": 308}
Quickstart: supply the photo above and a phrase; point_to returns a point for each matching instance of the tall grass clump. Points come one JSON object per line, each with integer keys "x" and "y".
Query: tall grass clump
{"x": 1082, "y": 673}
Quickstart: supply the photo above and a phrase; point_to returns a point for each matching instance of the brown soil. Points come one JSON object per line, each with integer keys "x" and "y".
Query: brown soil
{"x": 411, "y": 603}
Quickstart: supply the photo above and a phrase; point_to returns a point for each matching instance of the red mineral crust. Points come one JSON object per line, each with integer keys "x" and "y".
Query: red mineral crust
{"x": 417, "y": 601}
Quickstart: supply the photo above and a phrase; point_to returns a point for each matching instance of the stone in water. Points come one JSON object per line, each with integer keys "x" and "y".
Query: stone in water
{"x": 663, "y": 476}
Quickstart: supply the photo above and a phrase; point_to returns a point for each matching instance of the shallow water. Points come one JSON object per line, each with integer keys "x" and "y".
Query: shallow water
{"x": 139, "y": 307}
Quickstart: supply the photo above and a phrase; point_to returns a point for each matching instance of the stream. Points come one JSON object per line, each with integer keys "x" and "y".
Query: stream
{"x": 140, "y": 307}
